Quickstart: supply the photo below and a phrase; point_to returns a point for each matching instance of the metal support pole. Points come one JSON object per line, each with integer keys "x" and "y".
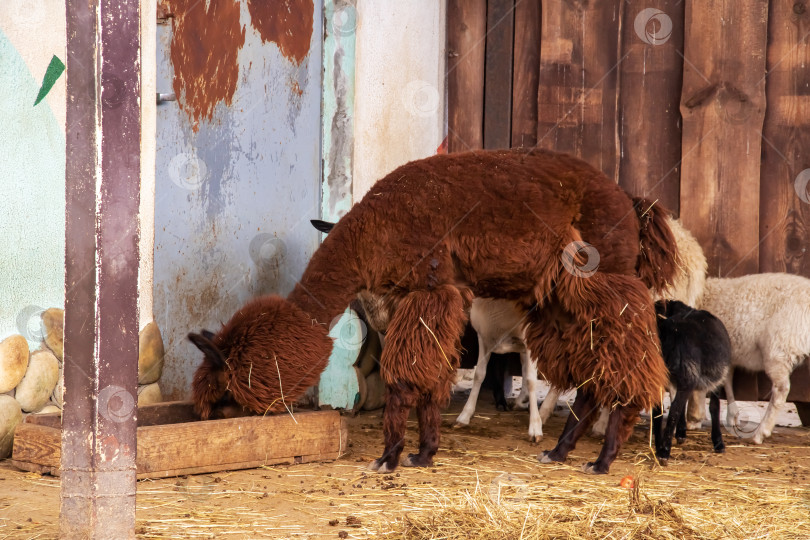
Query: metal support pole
{"x": 101, "y": 269}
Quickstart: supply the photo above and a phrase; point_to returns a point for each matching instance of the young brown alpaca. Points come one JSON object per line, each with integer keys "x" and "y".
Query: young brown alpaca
{"x": 497, "y": 223}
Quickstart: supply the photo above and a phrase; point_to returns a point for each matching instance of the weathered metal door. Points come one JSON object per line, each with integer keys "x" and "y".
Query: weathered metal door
{"x": 238, "y": 162}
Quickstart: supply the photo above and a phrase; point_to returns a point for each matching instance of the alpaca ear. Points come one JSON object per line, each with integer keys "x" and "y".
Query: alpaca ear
{"x": 323, "y": 226}
{"x": 205, "y": 343}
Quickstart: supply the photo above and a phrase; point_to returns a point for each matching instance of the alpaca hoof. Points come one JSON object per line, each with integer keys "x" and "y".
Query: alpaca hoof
{"x": 694, "y": 425}
{"x": 758, "y": 438}
{"x": 412, "y": 460}
{"x": 545, "y": 457}
{"x": 503, "y": 407}
{"x": 720, "y": 448}
{"x": 460, "y": 425}
{"x": 534, "y": 439}
{"x": 663, "y": 461}
{"x": 680, "y": 440}
{"x": 592, "y": 468}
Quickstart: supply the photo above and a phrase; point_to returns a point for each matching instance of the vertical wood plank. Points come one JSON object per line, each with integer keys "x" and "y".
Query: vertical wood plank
{"x": 651, "y": 77}
{"x": 577, "y": 92}
{"x": 723, "y": 106}
{"x": 527, "y": 71}
{"x": 498, "y": 73}
{"x": 466, "y": 45}
{"x": 784, "y": 189}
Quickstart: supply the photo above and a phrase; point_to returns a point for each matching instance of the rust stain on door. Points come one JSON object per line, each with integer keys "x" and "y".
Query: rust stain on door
{"x": 206, "y": 38}
{"x": 287, "y": 23}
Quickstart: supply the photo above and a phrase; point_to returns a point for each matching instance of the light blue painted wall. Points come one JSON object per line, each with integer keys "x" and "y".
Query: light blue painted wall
{"x": 32, "y": 202}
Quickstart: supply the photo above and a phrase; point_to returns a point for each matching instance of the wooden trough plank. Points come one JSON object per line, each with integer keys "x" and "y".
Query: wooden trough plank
{"x": 230, "y": 442}
{"x": 39, "y": 446}
{"x": 784, "y": 226}
{"x": 649, "y": 120}
{"x": 201, "y": 447}
{"x": 466, "y": 42}
{"x": 723, "y": 106}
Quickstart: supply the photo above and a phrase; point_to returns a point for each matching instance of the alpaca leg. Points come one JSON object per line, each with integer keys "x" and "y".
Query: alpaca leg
{"x": 549, "y": 403}
{"x": 529, "y": 368}
{"x": 600, "y": 426}
{"x": 478, "y": 379}
{"x": 620, "y": 426}
{"x": 583, "y": 414}
{"x": 696, "y": 410}
{"x": 398, "y": 403}
{"x": 717, "y": 434}
{"x": 778, "y": 368}
{"x": 428, "y": 413}
{"x": 676, "y": 411}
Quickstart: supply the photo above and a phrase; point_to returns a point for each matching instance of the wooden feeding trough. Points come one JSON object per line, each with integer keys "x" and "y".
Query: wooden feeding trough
{"x": 173, "y": 441}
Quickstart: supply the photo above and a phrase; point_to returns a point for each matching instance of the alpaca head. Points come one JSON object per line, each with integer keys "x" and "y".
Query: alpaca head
{"x": 263, "y": 359}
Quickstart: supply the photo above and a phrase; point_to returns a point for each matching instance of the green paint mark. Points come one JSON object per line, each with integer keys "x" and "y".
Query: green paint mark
{"x": 54, "y": 71}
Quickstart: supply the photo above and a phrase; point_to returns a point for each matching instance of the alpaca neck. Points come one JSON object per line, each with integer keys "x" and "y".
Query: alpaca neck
{"x": 330, "y": 281}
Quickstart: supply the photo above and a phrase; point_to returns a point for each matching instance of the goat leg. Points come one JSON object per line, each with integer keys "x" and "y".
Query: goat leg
{"x": 717, "y": 434}
{"x": 680, "y": 429}
{"x": 583, "y": 415}
{"x": 676, "y": 411}
{"x": 620, "y": 426}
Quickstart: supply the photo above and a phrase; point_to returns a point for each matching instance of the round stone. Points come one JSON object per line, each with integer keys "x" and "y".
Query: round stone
{"x": 13, "y": 362}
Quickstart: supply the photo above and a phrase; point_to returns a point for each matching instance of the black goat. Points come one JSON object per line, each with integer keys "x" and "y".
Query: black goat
{"x": 697, "y": 351}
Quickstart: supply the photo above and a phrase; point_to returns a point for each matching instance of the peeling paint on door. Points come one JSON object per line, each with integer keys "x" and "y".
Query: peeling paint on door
{"x": 287, "y": 23}
{"x": 206, "y": 38}
{"x": 237, "y": 184}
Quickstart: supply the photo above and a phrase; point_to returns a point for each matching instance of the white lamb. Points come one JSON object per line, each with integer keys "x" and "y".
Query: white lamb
{"x": 499, "y": 324}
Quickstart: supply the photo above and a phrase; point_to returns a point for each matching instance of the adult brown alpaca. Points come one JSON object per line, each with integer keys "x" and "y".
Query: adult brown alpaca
{"x": 500, "y": 223}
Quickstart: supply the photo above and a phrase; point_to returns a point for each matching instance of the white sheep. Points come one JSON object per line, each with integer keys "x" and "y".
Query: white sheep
{"x": 768, "y": 321}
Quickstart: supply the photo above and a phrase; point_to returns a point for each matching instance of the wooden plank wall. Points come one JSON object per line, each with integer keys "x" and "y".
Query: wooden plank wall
{"x": 704, "y": 106}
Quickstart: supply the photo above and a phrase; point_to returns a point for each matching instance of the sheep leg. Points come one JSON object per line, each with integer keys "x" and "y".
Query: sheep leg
{"x": 529, "y": 368}
{"x": 478, "y": 379}
{"x": 732, "y": 410}
{"x": 583, "y": 415}
{"x": 600, "y": 426}
{"x": 429, "y": 415}
{"x": 778, "y": 369}
{"x": 398, "y": 402}
{"x": 676, "y": 411}
{"x": 714, "y": 412}
{"x": 696, "y": 410}
{"x": 620, "y": 426}
{"x": 549, "y": 403}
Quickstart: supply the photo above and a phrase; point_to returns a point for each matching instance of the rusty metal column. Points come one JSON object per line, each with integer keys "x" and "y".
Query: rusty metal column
{"x": 101, "y": 269}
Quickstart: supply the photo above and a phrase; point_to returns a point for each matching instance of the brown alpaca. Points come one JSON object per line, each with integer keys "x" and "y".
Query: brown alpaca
{"x": 500, "y": 223}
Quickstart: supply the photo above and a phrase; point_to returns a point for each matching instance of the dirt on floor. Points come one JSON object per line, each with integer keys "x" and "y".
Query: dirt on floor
{"x": 705, "y": 494}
